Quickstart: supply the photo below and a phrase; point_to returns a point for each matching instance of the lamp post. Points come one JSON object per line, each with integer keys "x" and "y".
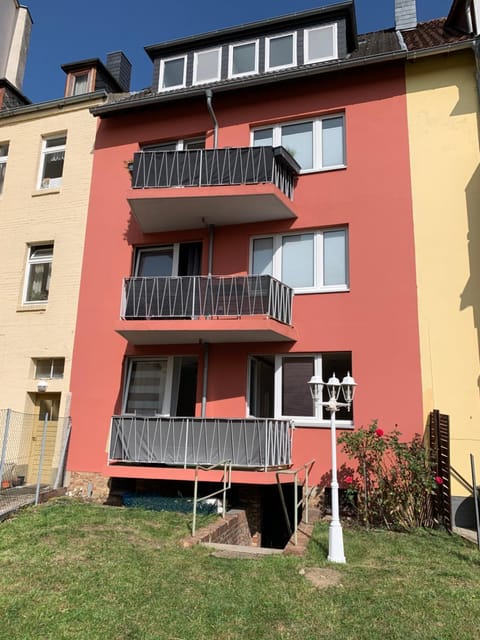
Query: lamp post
{"x": 347, "y": 386}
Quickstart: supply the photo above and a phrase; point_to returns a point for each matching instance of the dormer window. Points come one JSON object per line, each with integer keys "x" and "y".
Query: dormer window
{"x": 321, "y": 43}
{"x": 206, "y": 66}
{"x": 80, "y": 83}
{"x": 281, "y": 51}
{"x": 243, "y": 59}
{"x": 172, "y": 73}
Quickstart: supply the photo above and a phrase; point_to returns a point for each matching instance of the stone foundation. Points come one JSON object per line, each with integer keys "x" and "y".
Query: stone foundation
{"x": 233, "y": 529}
{"x": 83, "y": 484}
{"x": 251, "y": 500}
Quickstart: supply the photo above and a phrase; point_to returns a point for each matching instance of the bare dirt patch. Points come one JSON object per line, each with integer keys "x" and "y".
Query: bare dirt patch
{"x": 322, "y": 577}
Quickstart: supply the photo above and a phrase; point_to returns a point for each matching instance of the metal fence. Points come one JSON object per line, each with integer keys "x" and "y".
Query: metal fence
{"x": 215, "y": 167}
{"x": 195, "y": 296}
{"x": 32, "y": 456}
{"x": 246, "y": 442}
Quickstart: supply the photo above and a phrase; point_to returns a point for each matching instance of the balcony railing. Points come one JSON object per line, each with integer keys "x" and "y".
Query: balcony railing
{"x": 215, "y": 167}
{"x": 204, "y": 296}
{"x": 247, "y": 442}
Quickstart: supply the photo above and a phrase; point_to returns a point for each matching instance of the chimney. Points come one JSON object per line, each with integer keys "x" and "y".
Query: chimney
{"x": 405, "y": 14}
{"x": 120, "y": 67}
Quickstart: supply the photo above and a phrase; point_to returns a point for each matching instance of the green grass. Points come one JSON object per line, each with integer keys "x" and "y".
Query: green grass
{"x": 74, "y": 570}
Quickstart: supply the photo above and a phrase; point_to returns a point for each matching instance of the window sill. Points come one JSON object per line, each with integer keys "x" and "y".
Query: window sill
{"x": 339, "y": 289}
{"x": 324, "y": 424}
{"x": 337, "y": 167}
{"x": 32, "y": 307}
{"x": 44, "y": 192}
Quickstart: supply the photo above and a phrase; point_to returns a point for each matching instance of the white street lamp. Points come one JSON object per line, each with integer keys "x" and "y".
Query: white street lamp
{"x": 348, "y": 384}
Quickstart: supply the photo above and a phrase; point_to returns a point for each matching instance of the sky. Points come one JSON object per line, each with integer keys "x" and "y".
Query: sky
{"x": 66, "y": 31}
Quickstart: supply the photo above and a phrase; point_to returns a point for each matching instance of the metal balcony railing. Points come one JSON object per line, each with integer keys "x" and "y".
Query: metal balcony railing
{"x": 247, "y": 442}
{"x": 195, "y": 296}
{"x": 215, "y": 167}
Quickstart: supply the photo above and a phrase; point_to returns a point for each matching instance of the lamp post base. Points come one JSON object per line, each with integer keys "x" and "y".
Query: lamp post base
{"x": 335, "y": 543}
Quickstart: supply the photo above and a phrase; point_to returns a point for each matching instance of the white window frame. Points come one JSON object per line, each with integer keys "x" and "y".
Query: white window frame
{"x": 143, "y": 250}
{"x": 32, "y": 261}
{"x": 162, "y": 73}
{"x": 53, "y": 183}
{"x": 321, "y": 417}
{"x": 195, "y": 65}
{"x": 180, "y": 145}
{"x": 334, "y": 56}
{"x": 318, "y": 245}
{"x": 3, "y": 163}
{"x": 268, "y": 39}
{"x": 317, "y": 140}
{"x": 167, "y": 398}
{"x": 231, "y": 48}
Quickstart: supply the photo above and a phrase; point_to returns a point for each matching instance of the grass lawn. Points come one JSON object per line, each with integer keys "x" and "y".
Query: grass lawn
{"x": 74, "y": 570}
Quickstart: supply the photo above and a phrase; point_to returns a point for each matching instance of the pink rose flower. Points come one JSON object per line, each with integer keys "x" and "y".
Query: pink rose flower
{"x": 379, "y": 433}
{"x": 438, "y": 480}
{"x": 349, "y": 479}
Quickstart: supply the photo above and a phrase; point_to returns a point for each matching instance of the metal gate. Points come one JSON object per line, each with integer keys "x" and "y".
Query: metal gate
{"x": 439, "y": 436}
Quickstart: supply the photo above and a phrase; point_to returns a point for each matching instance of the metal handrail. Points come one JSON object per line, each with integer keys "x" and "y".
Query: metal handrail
{"x": 303, "y": 502}
{"x": 227, "y": 483}
{"x": 206, "y": 296}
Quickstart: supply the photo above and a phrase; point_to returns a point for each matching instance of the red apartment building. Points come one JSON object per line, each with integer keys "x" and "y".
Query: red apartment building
{"x": 250, "y": 225}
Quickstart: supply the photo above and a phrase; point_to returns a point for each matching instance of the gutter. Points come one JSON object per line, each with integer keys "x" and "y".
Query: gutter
{"x": 51, "y": 104}
{"x": 442, "y": 49}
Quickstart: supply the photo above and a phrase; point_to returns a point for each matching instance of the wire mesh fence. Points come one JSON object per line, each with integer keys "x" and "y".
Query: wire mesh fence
{"x": 32, "y": 456}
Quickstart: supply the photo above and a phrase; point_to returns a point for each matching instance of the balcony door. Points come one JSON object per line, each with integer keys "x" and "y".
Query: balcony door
{"x": 161, "y": 386}
{"x": 180, "y": 259}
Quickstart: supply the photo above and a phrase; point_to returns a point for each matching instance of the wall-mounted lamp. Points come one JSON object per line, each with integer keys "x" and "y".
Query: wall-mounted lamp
{"x": 42, "y": 386}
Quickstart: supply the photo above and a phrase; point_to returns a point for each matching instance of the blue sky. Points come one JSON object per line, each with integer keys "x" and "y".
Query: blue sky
{"x": 67, "y": 31}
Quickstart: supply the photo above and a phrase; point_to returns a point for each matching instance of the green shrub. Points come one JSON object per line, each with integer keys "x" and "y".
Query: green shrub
{"x": 394, "y": 481}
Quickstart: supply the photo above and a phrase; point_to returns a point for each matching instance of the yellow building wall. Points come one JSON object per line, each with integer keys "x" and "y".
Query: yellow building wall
{"x": 28, "y": 216}
{"x": 443, "y": 111}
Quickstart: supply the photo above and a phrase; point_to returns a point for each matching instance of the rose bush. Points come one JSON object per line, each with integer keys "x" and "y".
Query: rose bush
{"x": 394, "y": 480}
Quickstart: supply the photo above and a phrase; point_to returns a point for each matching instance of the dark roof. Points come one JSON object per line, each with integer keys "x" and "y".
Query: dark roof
{"x": 372, "y": 47}
{"x": 432, "y": 34}
{"x": 376, "y": 43}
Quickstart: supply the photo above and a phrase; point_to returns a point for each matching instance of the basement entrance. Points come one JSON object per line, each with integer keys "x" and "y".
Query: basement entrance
{"x": 262, "y": 503}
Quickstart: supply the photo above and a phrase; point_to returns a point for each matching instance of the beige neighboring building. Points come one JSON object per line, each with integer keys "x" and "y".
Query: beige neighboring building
{"x": 443, "y": 114}
{"x": 46, "y": 155}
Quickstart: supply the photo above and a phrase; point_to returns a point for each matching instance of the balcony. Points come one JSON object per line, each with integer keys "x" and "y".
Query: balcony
{"x": 250, "y": 443}
{"x": 185, "y": 189}
{"x": 187, "y": 309}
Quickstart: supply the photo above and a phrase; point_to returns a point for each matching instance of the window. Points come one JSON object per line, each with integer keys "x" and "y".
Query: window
{"x": 315, "y": 144}
{"x": 79, "y": 83}
{"x": 281, "y": 51}
{"x": 161, "y": 386}
{"x": 49, "y": 368}
{"x": 206, "y": 66}
{"x": 321, "y": 43}
{"x": 243, "y": 59}
{"x": 37, "y": 277}
{"x": 51, "y": 168}
{"x": 181, "y": 259}
{"x": 278, "y": 385}
{"x": 3, "y": 162}
{"x": 172, "y": 73}
{"x": 307, "y": 262}
{"x": 177, "y": 145}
